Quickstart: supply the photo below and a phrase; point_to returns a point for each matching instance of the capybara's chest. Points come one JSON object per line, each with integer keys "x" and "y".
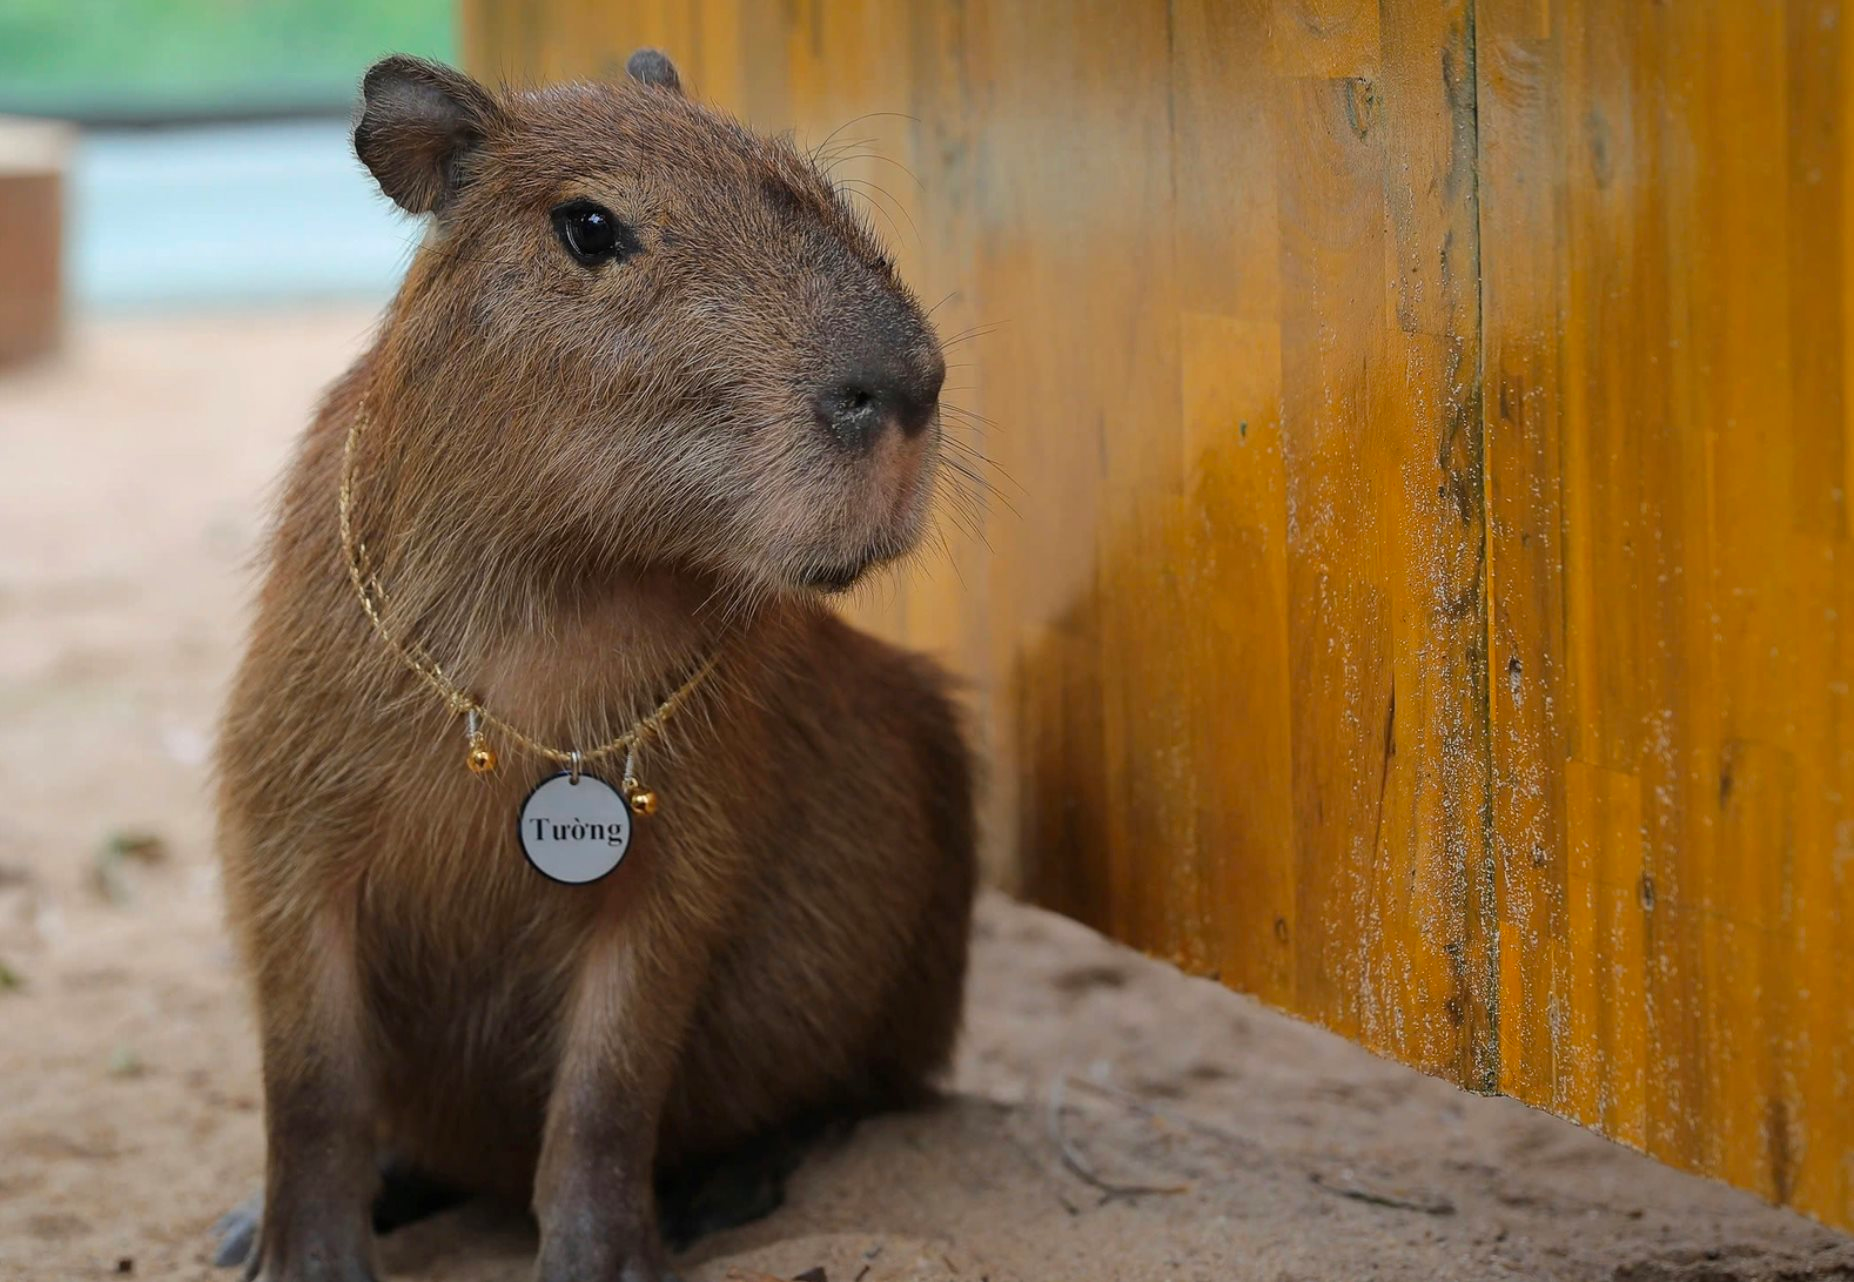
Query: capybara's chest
{"x": 466, "y": 979}
{"x": 466, "y": 950}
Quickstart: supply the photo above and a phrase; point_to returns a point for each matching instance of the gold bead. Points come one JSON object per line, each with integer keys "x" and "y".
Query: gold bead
{"x": 482, "y": 758}
{"x": 643, "y": 802}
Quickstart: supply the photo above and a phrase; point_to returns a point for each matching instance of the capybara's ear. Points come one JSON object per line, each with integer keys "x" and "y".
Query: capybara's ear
{"x": 653, "y": 67}
{"x": 419, "y": 121}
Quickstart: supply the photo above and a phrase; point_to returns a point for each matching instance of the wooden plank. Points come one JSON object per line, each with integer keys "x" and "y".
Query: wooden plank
{"x": 1239, "y": 649}
{"x": 1226, "y": 230}
{"x": 1329, "y": 175}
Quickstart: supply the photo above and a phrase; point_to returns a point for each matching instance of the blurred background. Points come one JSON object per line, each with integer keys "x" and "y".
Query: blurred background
{"x": 188, "y": 253}
{"x": 208, "y": 161}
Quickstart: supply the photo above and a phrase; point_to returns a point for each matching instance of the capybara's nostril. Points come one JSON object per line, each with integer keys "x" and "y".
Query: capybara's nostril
{"x": 852, "y": 413}
{"x": 857, "y": 410}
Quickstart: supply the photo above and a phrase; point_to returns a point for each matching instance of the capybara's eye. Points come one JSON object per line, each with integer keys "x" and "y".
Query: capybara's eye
{"x": 592, "y": 234}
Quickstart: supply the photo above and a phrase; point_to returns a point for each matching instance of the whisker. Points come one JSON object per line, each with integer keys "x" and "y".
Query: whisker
{"x": 887, "y": 217}
{"x": 969, "y": 416}
{"x": 868, "y": 115}
{"x": 876, "y": 155}
{"x": 889, "y": 196}
{"x": 843, "y": 154}
{"x": 967, "y": 335}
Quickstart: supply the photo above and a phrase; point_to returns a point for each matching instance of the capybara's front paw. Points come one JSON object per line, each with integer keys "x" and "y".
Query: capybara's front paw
{"x": 311, "y": 1257}
{"x": 312, "y": 1263}
{"x": 240, "y": 1233}
{"x": 314, "y": 1270}
{"x": 575, "y": 1258}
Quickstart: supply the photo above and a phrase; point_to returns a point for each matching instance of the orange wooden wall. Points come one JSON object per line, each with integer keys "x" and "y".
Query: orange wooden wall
{"x": 1415, "y": 583}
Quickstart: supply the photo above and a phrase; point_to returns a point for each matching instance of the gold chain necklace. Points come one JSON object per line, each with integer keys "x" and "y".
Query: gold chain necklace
{"x": 481, "y": 758}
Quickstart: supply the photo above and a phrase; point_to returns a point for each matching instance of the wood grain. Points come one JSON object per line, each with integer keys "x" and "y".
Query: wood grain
{"x": 1405, "y": 566}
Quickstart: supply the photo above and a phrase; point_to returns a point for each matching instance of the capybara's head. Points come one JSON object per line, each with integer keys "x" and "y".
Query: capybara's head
{"x": 638, "y": 329}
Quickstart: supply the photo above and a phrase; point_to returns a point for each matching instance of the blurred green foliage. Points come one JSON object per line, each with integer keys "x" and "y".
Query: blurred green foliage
{"x": 94, "y": 59}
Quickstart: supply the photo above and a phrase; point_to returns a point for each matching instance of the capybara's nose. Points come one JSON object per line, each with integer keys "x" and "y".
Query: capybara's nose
{"x": 880, "y": 395}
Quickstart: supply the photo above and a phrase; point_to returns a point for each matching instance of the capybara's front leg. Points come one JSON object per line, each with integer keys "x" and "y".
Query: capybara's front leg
{"x": 593, "y": 1190}
{"x": 320, "y": 1174}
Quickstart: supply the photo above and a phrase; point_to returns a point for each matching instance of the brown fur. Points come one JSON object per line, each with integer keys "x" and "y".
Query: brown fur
{"x": 578, "y": 483}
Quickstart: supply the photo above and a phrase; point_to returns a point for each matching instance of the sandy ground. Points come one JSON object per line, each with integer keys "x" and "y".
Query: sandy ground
{"x": 1110, "y": 1119}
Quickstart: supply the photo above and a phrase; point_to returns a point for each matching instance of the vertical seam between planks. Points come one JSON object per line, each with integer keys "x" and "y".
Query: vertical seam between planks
{"x": 1484, "y": 1061}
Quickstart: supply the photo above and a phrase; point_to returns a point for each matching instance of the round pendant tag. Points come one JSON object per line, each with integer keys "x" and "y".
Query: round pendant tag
{"x": 574, "y": 830}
